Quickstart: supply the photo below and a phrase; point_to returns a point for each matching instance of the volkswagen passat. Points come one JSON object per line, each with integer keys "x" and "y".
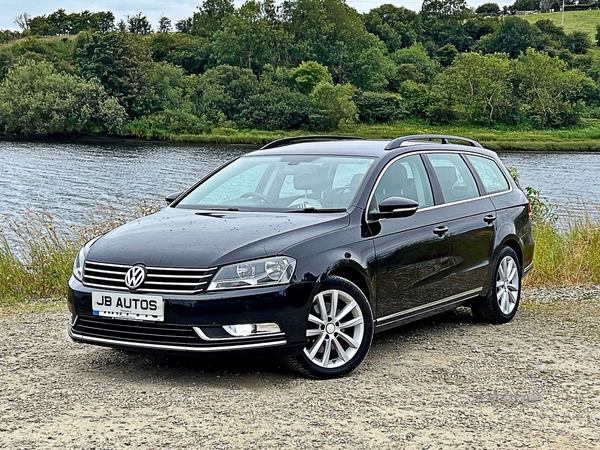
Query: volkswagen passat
{"x": 306, "y": 248}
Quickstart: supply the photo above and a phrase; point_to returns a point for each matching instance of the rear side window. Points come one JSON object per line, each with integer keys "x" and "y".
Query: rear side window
{"x": 490, "y": 174}
{"x": 454, "y": 176}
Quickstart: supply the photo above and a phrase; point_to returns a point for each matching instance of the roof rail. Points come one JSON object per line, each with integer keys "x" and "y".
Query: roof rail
{"x": 444, "y": 138}
{"x": 295, "y": 139}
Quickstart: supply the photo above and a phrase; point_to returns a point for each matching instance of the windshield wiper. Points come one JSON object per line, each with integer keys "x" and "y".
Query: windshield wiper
{"x": 312, "y": 209}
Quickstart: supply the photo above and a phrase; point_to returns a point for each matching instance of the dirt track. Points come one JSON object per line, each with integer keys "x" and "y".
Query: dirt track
{"x": 443, "y": 383}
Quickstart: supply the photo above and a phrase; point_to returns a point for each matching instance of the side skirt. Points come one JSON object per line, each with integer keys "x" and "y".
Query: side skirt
{"x": 429, "y": 309}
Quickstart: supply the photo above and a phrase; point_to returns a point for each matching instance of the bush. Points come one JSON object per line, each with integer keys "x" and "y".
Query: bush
{"x": 37, "y": 99}
{"x": 333, "y": 106}
{"x": 379, "y": 107}
{"x": 275, "y": 108}
{"x": 165, "y": 123}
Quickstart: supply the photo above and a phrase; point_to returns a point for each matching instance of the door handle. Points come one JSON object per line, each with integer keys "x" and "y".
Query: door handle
{"x": 489, "y": 218}
{"x": 440, "y": 231}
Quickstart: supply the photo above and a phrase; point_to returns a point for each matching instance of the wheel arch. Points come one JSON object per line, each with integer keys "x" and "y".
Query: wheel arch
{"x": 514, "y": 244}
{"x": 355, "y": 276}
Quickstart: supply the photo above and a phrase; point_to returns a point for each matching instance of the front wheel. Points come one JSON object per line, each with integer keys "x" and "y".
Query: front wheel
{"x": 339, "y": 331}
{"x": 501, "y": 303}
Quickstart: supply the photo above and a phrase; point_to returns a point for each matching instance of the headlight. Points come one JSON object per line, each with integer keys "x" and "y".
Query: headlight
{"x": 261, "y": 272}
{"x": 80, "y": 259}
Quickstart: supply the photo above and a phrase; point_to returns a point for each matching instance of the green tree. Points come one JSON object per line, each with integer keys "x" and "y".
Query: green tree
{"x": 37, "y": 99}
{"x": 372, "y": 69}
{"x": 328, "y": 32}
{"x": 550, "y": 92}
{"x": 488, "y": 9}
{"x": 211, "y": 17}
{"x": 445, "y": 8}
{"x": 514, "y": 36}
{"x": 252, "y": 37}
{"x": 578, "y": 42}
{"x": 275, "y": 107}
{"x": 396, "y": 26}
{"x": 308, "y": 74}
{"x": 444, "y": 23}
{"x": 526, "y": 5}
{"x": 181, "y": 49}
{"x": 379, "y": 107}
{"x": 221, "y": 93}
{"x": 138, "y": 24}
{"x": 122, "y": 63}
{"x": 474, "y": 89}
{"x": 334, "y": 106}
{"x": 414, "y": 64}
{"x": 164, "y": 25}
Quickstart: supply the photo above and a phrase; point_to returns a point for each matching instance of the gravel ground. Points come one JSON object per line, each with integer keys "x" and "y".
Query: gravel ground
{"x": 447, "y": 382}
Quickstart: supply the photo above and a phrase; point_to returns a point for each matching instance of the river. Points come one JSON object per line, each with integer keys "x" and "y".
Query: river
{"x": 71, "y": 180}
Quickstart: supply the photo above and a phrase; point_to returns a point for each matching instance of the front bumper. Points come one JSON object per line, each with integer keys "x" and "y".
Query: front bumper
{"x": 193, "y": 324}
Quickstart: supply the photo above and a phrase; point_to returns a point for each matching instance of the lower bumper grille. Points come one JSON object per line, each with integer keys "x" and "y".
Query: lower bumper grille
{"x": 156, "y": 336}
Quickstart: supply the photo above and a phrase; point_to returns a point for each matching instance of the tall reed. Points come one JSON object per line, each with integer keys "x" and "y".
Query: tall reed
{"x": 37, "y": 251}
{"x": 569, "y": 255}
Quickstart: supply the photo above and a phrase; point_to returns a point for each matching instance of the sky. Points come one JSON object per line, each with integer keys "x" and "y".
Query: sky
{"x": 153, "y": 9}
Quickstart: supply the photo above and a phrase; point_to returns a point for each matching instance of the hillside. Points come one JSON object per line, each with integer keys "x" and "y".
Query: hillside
{"x": 574, "y": 20}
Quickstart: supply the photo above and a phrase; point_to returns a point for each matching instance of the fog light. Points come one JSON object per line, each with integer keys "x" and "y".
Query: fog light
{"x": 240, "y": 330}
{"x": 251, "y": 329}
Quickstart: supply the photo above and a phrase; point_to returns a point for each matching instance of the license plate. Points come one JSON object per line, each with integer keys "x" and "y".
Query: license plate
{"x": 128, "y": 306}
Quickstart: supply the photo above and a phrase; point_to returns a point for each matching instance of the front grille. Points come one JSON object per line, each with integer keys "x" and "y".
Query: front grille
{"x": 158, "y": 280}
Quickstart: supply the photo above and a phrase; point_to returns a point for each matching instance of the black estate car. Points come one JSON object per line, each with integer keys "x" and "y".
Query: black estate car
{"x": 305, "y": 248}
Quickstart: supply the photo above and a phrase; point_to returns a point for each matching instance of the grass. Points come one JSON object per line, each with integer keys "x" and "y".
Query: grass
{"x": 38, "y": 264}
{"x": 36, "y": 260}
{"x": 574, "y": 20}
{"x": 585, "y": 137}
{"x": 569, "y": 256}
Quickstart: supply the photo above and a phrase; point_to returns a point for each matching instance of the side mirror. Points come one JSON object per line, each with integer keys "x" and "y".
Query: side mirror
{"x": 393, "y": 207}
{"x": 172, "y": 197}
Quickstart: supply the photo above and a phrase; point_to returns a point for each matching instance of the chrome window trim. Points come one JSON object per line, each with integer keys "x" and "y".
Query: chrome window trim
{"x": 372, "y": 195}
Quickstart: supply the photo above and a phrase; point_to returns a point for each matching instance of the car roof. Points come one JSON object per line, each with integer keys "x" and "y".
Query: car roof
{"x": 375, "y": 148}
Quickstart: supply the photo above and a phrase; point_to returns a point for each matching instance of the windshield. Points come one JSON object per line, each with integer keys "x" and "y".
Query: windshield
{"x": 305, "y": 182}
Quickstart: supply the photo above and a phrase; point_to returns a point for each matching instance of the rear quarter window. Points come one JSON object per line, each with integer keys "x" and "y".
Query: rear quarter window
{"x": 489, "y": 173}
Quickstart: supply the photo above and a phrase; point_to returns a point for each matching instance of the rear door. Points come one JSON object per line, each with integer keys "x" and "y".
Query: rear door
{"x": 469, "y": 218}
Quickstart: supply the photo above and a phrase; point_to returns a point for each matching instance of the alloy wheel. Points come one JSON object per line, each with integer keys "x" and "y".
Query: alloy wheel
{"x": 507, "y": 285}
{"x": 336, "y": 328}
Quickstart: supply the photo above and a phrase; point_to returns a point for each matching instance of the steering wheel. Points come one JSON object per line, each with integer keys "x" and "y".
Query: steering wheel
{"x": 262, "y": 198}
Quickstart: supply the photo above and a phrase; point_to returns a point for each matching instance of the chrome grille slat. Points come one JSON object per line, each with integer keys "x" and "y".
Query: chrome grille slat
{"x": 154, "y": 275}
{"x": 178, "y": 280}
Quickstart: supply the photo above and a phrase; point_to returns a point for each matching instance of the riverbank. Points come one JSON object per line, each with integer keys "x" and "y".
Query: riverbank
{"x": 445, "y": 382}
{"x": 583, "y": 138}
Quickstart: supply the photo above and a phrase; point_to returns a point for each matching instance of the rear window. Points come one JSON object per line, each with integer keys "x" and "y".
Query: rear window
{"x": 454, "y": 177}
{"x": 490, "y": 174}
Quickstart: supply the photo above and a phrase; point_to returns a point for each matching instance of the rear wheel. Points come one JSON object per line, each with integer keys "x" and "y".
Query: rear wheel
{"x": 501, "y": 303}
{"x": 339, "y": 331}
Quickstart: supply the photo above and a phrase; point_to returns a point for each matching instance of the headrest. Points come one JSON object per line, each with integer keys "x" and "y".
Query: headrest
{"x": 310, "y": 177}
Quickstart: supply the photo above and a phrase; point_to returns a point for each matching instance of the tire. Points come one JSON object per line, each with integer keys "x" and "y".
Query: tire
{"x": 502, "y": 301}
{"x": 336, "y": 344}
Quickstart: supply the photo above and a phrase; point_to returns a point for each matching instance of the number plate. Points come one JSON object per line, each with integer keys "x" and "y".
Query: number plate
{"x": 128, "y": 306}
